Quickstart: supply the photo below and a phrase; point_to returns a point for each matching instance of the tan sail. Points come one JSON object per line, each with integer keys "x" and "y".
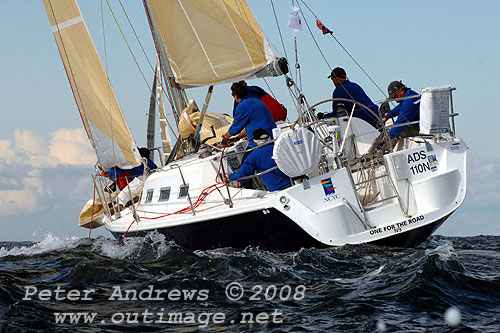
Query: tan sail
{"x": 211, "y": 41}
{"x": 99, "y": 109}
{"x": 190, "y": 117}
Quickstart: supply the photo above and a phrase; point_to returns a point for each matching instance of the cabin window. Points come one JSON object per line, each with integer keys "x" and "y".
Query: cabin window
{"x": 183, "y": 191}
{"x": 149, "y": 196}
{"x": 164, "y": 194}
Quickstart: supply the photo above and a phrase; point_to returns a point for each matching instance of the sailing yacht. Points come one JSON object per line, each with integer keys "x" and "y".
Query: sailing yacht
{"x": 343, "y": 190}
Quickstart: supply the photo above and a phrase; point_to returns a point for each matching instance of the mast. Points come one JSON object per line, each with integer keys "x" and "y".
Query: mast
{"x": 150, "y": 132}
{"x": 177, "y": 93}
{"x": 165, "y": 135}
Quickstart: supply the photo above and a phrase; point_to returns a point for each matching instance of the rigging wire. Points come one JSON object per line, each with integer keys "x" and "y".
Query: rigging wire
{"x": 145, "y": 55}
{"x": 286, "y": 55}
{"x": 108, "y": 84}
{"x": 136, "y": 36}
{"x": 133, "y": 56}
{"x": 126, "y": 42}
{"x": 347, "y": 52}
{"x": 315, "y": 42}
{"x": 279, "y": 31}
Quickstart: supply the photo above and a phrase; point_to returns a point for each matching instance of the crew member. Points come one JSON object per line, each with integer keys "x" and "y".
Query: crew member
{"x": 124, "y": 177}
{"x": 260, "y": 160}
{"x": 350, "y": 90}
{"x": 249, "y": 115}
{"x": 407, "y": 110}
{"x": 278, "y": 111}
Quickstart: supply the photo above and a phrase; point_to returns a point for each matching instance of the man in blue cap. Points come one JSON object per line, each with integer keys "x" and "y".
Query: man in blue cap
{"x": 407, "y": 110}
{"x": 350, "y": 90}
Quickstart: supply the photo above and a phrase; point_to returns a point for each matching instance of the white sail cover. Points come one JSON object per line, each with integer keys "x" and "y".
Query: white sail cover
{"x": 211, "y": 41}
{"x": 297, "y": 152}
{"x": 103, "y": 120}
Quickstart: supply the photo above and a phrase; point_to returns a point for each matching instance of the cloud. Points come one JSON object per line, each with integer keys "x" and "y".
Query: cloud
{"x": 13, "y": 202}
{"x": 7, "y": 153}
{"x": 28, "y": 143}
{"x": 25, "y": 187}
{"x": 70, "y": 146}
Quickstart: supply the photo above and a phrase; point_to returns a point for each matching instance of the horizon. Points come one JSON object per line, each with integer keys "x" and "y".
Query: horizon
{"x": 46, "y": 161}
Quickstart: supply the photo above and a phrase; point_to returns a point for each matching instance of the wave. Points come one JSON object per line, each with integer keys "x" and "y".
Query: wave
{"x": 349, "y": 288}
{"x": 47, "y": 244}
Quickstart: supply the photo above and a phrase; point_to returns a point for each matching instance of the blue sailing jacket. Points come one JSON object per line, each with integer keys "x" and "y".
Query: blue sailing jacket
{"x": 251, "y": 114}
{"x": 406, "y": 111}
{"x": 134, "y": 172}
{"x": 351, "y": 90}
{"x": 260, "y": 160}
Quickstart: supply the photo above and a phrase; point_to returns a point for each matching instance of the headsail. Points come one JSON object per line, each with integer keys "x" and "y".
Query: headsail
{"x": 211, "y": 41}
{"x": 99, "y": 109}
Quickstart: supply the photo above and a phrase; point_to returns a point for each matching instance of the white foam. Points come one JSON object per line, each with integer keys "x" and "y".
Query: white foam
{"x": 131, "y": 247}
{"x": 453, "y": 316}
{"x": 381, "y": 327}
{"x": 47, "y": 244}
{"x": 444, "y": 252}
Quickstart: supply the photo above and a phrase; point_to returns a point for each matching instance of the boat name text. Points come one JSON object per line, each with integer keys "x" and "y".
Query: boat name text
{"x": 396, "y": 227}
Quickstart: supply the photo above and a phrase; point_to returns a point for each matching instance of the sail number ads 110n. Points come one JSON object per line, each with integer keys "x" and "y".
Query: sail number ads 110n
{"x": 420, "y": 162}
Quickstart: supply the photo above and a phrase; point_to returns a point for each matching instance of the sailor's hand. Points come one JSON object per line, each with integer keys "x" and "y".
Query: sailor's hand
{"x": 382, "y": 121}
{"x": 320, "y": 115}
{"x": 381, "y": 145}
{"x": 225, "y": 139}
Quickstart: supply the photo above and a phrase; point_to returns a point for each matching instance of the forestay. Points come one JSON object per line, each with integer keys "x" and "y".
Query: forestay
{"x": 211, "y": 41}
{"x": 99, "y": 109}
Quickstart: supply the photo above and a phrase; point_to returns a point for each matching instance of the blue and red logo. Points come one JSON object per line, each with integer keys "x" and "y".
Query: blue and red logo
{"x": 328, "y": 186}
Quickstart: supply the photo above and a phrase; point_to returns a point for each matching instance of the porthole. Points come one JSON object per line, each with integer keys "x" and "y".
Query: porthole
{"x": 149, "y": 196}
{"x": 183, "y": 191}
{"x": 164, "y": 194}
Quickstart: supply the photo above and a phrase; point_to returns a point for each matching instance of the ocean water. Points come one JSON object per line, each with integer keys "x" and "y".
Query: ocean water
{"x": 448, "y": 284}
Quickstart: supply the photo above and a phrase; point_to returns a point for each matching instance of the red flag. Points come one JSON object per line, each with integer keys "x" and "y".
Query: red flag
{"x": 323, "y": 28}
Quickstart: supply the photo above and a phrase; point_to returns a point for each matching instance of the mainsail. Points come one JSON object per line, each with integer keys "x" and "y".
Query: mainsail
{"x": 99, "y": 109}
{"x": 211, "y": 41}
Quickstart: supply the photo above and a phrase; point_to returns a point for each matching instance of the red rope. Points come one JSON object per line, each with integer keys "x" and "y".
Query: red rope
{"x": 125, "y": 234}
{"x": 204, "y": 194}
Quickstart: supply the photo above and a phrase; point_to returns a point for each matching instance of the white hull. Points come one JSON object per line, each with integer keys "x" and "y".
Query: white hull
{"x": 430, "y": 183}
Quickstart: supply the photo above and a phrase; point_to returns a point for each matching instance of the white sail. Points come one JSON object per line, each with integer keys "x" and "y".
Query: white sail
{"x": 211, "y": 41}
{"x": 99, "y": 109}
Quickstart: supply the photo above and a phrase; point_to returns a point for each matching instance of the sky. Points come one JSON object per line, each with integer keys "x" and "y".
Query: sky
{"x": 46, "y": 162}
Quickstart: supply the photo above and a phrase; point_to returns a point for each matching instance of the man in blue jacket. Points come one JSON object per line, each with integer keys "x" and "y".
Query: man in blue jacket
{"x": 350, "y": 90}
{"x": 407, "y": 110}
{"x": 260, "y": 160}
{"x": 124, "y": 177}
{"x": 249, "y": 115}
{"x": 278, "y": 110}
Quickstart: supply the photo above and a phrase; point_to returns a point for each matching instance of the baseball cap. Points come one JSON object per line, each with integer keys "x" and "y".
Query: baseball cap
{"x": 393, "y": 87}
{"x": 338, "y": 73}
